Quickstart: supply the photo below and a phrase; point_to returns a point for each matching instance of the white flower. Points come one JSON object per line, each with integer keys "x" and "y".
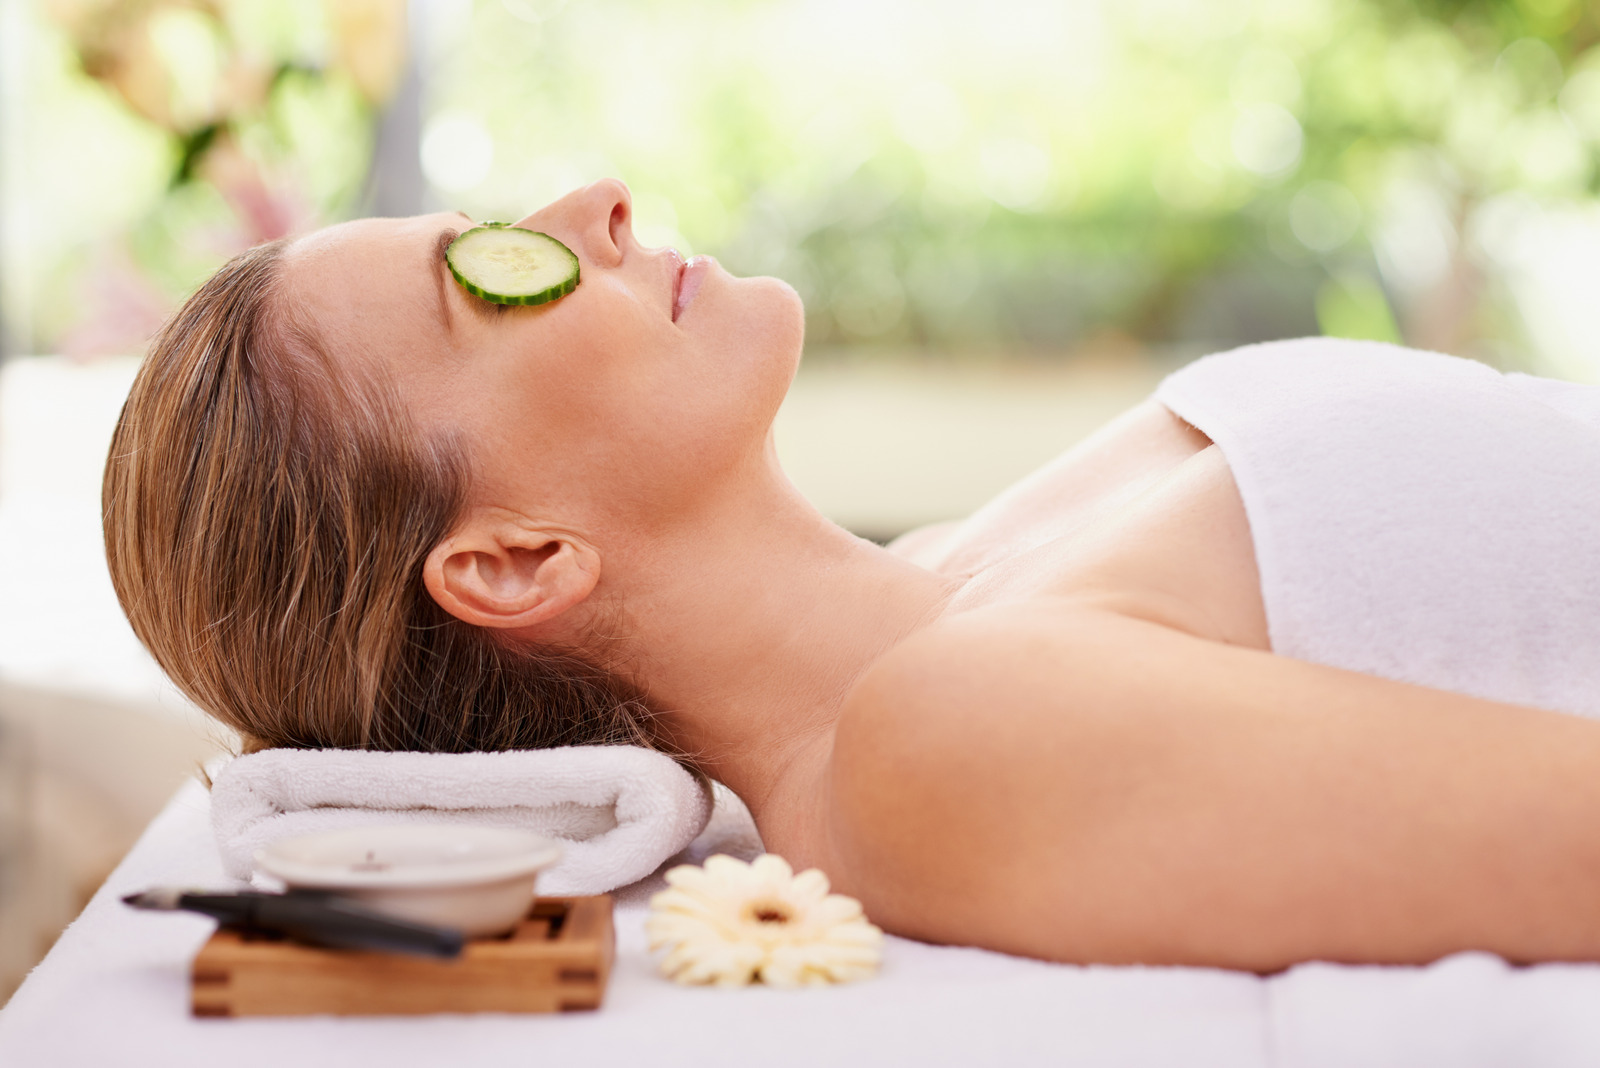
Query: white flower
{"x": 730, "y": 923}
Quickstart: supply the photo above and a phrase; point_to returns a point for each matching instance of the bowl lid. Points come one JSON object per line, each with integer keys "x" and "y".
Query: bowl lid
{"x": 407, "y": 854}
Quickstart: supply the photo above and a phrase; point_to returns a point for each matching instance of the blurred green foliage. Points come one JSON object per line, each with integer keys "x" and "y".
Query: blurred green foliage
{"x": 1041, "y": 176}
{"x": 1012, "y": 176}
{"x": 158, "y": 137}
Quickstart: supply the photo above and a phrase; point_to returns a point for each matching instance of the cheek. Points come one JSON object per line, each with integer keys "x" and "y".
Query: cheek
{"x": 703, "y": 407}
{"x": 637, "y": 421}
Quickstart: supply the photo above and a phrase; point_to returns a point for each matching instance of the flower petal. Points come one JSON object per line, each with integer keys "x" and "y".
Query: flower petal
{"x": 730, "y": 922}
{"x": 773, "y": 867}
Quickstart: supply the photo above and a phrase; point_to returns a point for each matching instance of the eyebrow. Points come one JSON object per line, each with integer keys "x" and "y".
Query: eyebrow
{"x": 444, "y": 279}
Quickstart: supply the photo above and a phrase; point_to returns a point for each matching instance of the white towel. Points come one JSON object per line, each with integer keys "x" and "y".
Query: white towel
{"x": 619, "y": 810}
{"x": 1415, "y": 516}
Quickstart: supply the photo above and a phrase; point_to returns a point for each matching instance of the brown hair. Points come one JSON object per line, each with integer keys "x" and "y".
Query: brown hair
{"x": 266, "y": 522}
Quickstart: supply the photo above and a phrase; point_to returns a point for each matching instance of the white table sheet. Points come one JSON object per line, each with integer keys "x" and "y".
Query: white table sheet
{"x": 114, "y": 992}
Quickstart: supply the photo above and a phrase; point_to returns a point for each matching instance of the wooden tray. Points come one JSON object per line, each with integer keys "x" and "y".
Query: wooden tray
{"x": 557, "y": 960}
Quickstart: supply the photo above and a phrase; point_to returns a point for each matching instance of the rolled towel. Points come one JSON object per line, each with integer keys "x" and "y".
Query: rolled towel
{"x": 619, "y": 810}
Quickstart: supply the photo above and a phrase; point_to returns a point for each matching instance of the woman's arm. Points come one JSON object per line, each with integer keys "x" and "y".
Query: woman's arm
{"x": 1066, "y": 782}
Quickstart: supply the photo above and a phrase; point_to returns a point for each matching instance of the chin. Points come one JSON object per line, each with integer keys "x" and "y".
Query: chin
{"x": 759, "y": 334}
{"x": 786, "y": 321}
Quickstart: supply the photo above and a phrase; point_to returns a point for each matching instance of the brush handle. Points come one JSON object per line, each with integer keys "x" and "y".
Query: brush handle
{"x": 324, "y": 919}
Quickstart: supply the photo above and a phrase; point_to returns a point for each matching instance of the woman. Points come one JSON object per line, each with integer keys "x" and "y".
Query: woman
{"x": 349, "y": 504}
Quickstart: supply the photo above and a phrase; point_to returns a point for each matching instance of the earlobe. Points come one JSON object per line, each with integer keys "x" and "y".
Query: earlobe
{"x": 496, "y": 572}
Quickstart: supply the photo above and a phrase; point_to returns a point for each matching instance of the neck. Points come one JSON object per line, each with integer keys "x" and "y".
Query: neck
{"x": 750, "y": 624}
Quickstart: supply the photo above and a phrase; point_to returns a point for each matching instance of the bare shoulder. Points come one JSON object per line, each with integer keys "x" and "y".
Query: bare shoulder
{"x": 958, "y": 751}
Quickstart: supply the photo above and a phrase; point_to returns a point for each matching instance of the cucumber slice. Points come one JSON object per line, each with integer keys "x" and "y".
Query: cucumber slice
{"x": 509, "y": 265}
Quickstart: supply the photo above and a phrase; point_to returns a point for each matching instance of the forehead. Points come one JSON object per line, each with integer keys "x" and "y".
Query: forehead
{"x": 369, "y": 286}
{"x": 369, "y": 244}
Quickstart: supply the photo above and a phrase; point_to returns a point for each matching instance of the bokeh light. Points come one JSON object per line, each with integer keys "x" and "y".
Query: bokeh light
{"x": 1018, "y": 178}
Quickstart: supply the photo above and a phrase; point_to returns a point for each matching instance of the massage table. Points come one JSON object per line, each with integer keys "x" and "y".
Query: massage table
{"x": 113, "y": 993}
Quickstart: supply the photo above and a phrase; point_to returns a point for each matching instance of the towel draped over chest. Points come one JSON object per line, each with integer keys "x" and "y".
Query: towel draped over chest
{"x": 1415, "y": 516}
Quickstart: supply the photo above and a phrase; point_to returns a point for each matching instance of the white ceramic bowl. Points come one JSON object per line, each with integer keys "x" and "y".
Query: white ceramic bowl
{"x": 477, "y": 879}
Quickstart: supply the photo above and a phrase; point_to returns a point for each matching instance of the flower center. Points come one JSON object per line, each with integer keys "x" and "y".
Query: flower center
{"x": 768, "y": 912}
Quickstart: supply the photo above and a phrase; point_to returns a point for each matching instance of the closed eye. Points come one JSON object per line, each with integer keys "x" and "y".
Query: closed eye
{"x": 483, "y": 308}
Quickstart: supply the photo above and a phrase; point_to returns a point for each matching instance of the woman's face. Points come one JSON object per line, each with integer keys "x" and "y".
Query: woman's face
{"x": 627, "y": 397}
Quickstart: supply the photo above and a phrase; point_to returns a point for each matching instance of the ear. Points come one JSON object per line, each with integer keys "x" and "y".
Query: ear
{"x": 497, "y": 571}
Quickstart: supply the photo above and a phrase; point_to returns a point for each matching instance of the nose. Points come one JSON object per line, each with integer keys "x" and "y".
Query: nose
{"x": 598, "y": 216}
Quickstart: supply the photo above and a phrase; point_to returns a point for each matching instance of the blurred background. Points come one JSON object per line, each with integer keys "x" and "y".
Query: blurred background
{"x": 1007, "y": 220}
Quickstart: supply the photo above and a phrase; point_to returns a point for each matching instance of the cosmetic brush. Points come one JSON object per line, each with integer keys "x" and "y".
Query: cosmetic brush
{"x": 318, "y": 918}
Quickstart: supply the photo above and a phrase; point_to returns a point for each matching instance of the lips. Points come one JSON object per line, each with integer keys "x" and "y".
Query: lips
{"x": 690, "y": 277}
